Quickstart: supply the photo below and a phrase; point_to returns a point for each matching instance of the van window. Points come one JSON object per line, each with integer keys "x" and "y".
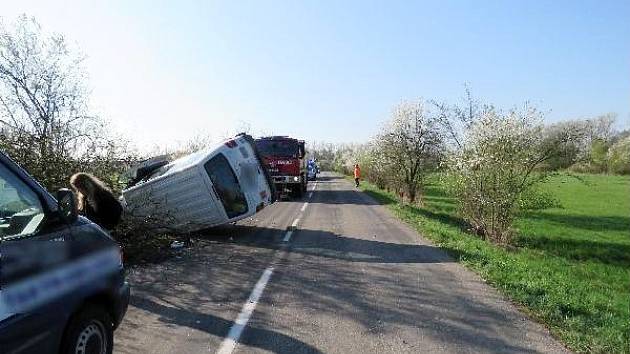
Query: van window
{"x": 226, "y": 186}
{"x": 21, "y": 212}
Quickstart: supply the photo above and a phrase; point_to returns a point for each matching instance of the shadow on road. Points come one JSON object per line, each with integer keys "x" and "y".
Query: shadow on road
{"x": 329, "y": 245}
{"x": 380, "y": 298}
{"x": 328, "y": 178}
{"x": 187, "y": 317}
{"x": 338, "y": 196}
{"x": 389, "y": 290}
{"x": 347, "y": 196}
{"x": 200, "y": 290}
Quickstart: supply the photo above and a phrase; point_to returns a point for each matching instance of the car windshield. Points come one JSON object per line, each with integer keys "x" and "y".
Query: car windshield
{"x": 277, "y": 147}
{"x": 20, "y": 210}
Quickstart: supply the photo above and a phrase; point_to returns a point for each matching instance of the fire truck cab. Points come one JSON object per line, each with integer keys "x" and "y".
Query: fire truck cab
{"x": 286, "y": 163}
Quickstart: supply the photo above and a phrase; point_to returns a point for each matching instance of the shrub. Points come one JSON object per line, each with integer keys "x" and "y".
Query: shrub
{"x": 619, "y": 157}
{"x": 495, "y": 170}
{"x": 535, "y": 199}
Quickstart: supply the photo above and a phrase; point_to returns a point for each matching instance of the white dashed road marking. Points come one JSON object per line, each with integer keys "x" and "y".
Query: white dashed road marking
{"x": 230, "y": 342}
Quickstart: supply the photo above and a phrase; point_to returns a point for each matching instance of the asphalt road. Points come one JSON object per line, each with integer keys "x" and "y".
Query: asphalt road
{"x": 349, "y": 278}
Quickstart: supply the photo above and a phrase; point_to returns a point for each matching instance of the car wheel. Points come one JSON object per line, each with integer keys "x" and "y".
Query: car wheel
{"x": 89, "y": 332}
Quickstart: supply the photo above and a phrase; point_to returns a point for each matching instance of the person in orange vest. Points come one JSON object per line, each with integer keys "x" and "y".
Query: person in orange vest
{"x": 357, "y": 174}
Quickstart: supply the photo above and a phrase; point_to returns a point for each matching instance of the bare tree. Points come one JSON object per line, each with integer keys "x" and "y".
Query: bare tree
{"x": 44, "y": 119}
{"x": 411, "y": 143}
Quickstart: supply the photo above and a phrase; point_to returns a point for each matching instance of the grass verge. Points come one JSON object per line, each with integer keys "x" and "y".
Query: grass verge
{"x": 571, "y": 267}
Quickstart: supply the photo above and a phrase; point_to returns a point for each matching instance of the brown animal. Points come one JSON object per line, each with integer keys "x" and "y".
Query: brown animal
{"x": 95, "y": 201}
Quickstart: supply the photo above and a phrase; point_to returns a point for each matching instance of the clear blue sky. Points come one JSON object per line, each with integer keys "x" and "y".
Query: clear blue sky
{"x": 332, "y": 70}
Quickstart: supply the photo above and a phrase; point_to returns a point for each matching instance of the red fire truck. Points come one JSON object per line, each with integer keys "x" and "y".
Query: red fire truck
{"x": 284, "y": 157}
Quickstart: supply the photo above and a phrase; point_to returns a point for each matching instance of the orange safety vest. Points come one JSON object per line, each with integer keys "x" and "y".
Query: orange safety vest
{"x": 357, "y": 172}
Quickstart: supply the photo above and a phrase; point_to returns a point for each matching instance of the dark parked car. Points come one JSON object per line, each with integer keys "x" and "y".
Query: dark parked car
{"x": 62, "y": 283}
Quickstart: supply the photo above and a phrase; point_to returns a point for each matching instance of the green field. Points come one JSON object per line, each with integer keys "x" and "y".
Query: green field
{"x": 570, "y": 268}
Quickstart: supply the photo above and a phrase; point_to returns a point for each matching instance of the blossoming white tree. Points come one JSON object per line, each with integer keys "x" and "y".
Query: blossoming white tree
{"x": 411, "y": 143}
{"x": 497, "y": 163}
{"x": 45, "y": 123}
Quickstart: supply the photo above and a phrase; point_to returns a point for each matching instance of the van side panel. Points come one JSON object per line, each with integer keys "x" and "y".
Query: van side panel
{"x": 180, "y": 200}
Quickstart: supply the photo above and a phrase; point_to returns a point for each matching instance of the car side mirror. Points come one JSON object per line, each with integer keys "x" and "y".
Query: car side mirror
{"x": 67, "y": 206}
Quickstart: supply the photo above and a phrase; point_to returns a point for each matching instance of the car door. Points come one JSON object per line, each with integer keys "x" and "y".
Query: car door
{"x": 29, "y": 246}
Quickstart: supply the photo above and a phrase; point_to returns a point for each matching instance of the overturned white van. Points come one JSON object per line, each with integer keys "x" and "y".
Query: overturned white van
{"x": 204, "y": 189}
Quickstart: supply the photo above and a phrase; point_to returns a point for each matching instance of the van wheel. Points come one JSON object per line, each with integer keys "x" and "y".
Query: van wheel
{"x": 89, "y": 332}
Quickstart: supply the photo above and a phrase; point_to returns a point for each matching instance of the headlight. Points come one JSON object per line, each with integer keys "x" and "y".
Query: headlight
{"x": 296, "y": 178}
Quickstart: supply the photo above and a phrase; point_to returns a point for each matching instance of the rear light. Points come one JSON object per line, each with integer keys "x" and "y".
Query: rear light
{"x": 231, "y": 144}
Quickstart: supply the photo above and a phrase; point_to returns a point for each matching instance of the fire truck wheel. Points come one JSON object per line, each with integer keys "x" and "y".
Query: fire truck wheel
{"x": 298, "y": 191}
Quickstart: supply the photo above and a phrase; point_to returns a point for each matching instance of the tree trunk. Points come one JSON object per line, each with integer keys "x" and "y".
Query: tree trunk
{"x": 411, "y": 191}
